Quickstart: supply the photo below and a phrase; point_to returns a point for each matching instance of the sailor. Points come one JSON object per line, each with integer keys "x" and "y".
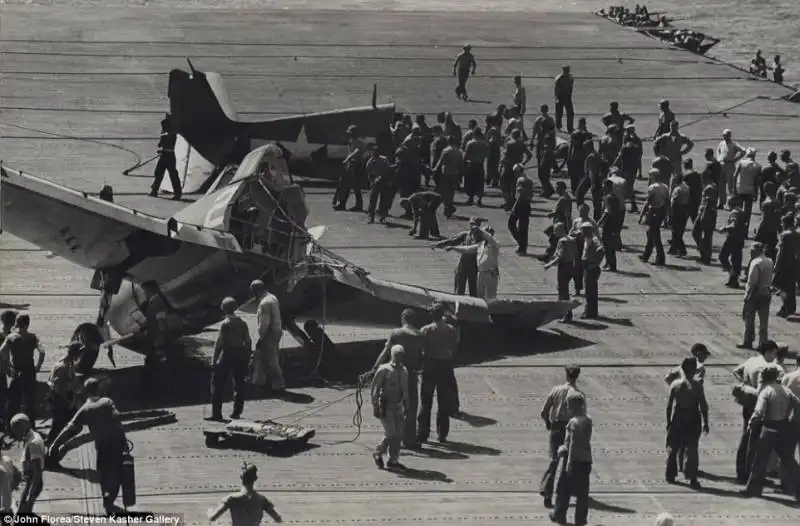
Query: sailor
{"x": 576, "y": 233}
{"x": 34, "y": 454}
{"x": 786, "y": 262}
{"x": 655, "y": 210}
{"x": 630, "y": 136}
{"x": 777, "y": 70}
{"x": 380, "y": 177}
{"x": 611, "y": 224}
{"x": 770, "y": 226}
{"x": 8, "y": 319}
{"x": 494, "y": 139}
{"x": 408, "y": 337}
{"x": 619, "y": 119}
{"x": 472, "y": 125}
{"x": 544, "y": 131}
{"x": 576, "y": 156}
{"x": 556, "y": 414}
{"x": 424, "y": 205}
{"x": 749, "y": 376}
{"x": 665, "y": 119}
{"x": 679, "y": 215}
{"x": 694, "y": 181}
{"x": 674, "y": 145}
{"x": 451, "y": 128}
{"x": 154, "y": 309}
{"x": 466, "y": 274}
{"x": 771, "y": 173}
{"x": 791, "y": 168}
{"x": 730, "y": 255}
{"x": 773, "y": 409}
{"x": 757, "y": 297}
{"x": 729, "y": 153}
{"x": 353, "y": 176}
{"x": 663, "y": 165}
{"x": 547, "y": 164}
{"x": 563, "y": 88}
{"x": 565, "y": 256}
{"x": 476, "y": 152}
{"x": 592, "y": 180}
{"x": 266, "y": 368}
{"x": 747, "y": 183}
{"x": 438, "y": 144}
{"x": 520, "y": 218}
{"x": 16, "y": 353}
{"x": 62, "y": 390}
{"x": 515, "y": 152}
{"x": 451, "y": 164}
{"x": 629, "y": 162}
{"x": 577, "y": 450}
{"x": 591, "y": 259}
{"x": 101, "y": 416}
{"x": 609, "y": 148}
{"x": 758, "y": 66}
{"x": 247, "y": 507}
{"x": 463, "y": 64}
{"x": 166, "y": 160}
{"x": 399, "y": 130}
{"x": 440, "y": 341}
{"x": 792, "y": 381}
{"x": 10, "y": 478}
{"x": 703, "y": 227}
{"x": 390, "y": 405}
{"x": 688, "y": 399}
{"x": 562, "y": 213}
{"x": 232, "y": 353}
{"x": 700, "y": 353}
{"x": 519, "y": 100}
{"x": 488, "y": 252}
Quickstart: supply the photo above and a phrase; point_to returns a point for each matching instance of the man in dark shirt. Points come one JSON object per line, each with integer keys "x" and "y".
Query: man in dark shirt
{"x": 563, "y": 87}
{"x": 463, "y": 64}
{"x": 476, "y": 151}
{"x": 544, "y": 127}
{"x": 101, "y": 416}
{"x": 630, "y": 136}
{"x": 494, "y": 139}
{"x": 576, "y": 157}
{"x": 380, "y": 176}
{"x": 592, "y": 180}
{"x": 771, "y": 173}
{"x": 770, "y": 226}
{"x": 520, "y": 218}
{"x": 695, "y": 183}
{"x": 730, "y": 255}
{"x": 166, "y": 161}
{"x": 703, "y": 227}
{"x": 62, "y": 390}
{"x": 409, "y": 337}
{"x": 628, "y": 161}
{"x": 515, "y": 152}
{"x": 713, "y": 170}
{"x": 467, "y": 268}
{"x": 615, "y": 117}
{"x": 786, "y": 263}
{"x": 424, "y": 205}
{"x": 232, "y": 353}
{"x": 611, "y": 223}
{"x": 16, "y": 353}
{"x": 8, "y": 318}
{"x": 665, "y": 118}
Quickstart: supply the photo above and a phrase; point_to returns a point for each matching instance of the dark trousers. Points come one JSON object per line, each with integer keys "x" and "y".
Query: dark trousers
{"x": 166, "y": 163}
{"x": 730, "y": 256}
{"x": 789, "y": 293}
{"x": 678, "y": 221}
{"x": 748, "y": 201}
{"x": 518, "y": 227}
{"x": 473, "y": 183}
{"x": 575, "y": 172}
{"x": 703, "y": 235}
{"x": 410, "y": 425}
{"x": 447, "y": 189}
{"x": 61, "y": 407}
{"x": 574, "y": 483}
{"x": 577, "y": 276}
{"x": 591, "y": 278}
{"x": 351, "y": 181}
{"x": 756, "y": 306}
{"x": 438, "y": 377}
{"x": 378, "y": 197}
{"x": 743, "y": 456}
{"x": 654, "y": 219}
{"x": 609, "y": 239}
{"x": 220, "y": 378}
{"x": 109, "y": 469}
{"x": 425, "y": 222}
{"x": 22, "y": 391}
{"x": 493, "y": 166}
{"x": 544, "y": 171}
{"x": 466, "y": 278}
{"x": 566, "y": 272}
{"x": 683, "y": 437}
{"x": 775, "y": 437}
{"x": 508, "y": 187}
{"x": 561, "y": 105}
{"x": 558, "y": 431}
{"x": 461, "y": 89}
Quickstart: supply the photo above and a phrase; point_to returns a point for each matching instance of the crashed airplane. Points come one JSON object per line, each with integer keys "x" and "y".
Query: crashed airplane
{"x": 250, "y": 224}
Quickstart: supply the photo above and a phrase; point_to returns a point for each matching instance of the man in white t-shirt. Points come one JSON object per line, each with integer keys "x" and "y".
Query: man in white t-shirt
{"x": 34, "y": 454}
{"x": 10, "y": 477}
{"x": 266, "y": 360}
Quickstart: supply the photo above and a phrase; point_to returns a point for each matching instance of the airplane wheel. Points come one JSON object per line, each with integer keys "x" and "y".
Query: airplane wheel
{"x": 89, "y": 336}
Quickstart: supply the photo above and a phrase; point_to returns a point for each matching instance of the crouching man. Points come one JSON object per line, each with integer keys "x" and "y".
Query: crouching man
{"x": 389, "y": 405}
{"x": 424, "y": 205}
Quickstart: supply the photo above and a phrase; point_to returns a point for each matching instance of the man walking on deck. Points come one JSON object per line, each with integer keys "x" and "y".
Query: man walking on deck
{"x": 462, "y": 66}
{"x": 563, "y": 87}
{"x": 728, "y": 154}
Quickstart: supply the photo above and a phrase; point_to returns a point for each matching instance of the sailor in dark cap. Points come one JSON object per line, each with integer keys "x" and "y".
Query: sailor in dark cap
{"x": 462, "y": 66}
{"x": 564, "y": 84}
{"x": 166, "y": 160}
{"x": 247, "y": 507}
{"x": 232, "y": 352}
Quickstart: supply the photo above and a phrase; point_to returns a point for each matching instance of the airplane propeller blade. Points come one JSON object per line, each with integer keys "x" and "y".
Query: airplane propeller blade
{"x": 317, "y": 232}
{"x": 191, "y": 66}
{"x": 375, "y": 95}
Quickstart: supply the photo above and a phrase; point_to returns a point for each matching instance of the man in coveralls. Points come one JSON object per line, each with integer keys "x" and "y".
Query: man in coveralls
{"x": 166, "y": 161}
{"x": 440, "y": 341}
{"x": 556, "y": 415}
{"x": 102, "y": 417}
{"x": 467, "y": 268}
{"x": 232, "y": 353}
{"x": 688, "y": 399}
{"x": 424, "y": 204}
{"x": 462, "y": 66}
{"x": 390, "y": 406}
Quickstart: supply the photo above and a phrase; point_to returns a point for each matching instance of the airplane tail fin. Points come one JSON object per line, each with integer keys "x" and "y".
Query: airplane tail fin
{"x": 206, "y": 124}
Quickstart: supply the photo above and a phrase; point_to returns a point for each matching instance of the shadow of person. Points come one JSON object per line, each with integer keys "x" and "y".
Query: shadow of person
{"x": 89, "y": 475}
{"x": 428, "y": 475}
{"x": 470, "y": 449}
{"x": 438, "y": 454}
{"x": 474, "y": 420}
{"x": 622, "y": 322}
{"x": 595, "y": 504}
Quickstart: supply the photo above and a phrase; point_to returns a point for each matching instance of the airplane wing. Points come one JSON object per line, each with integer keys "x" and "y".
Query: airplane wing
{"x": 210, "y": 135}
{"x": 89, "y": 231}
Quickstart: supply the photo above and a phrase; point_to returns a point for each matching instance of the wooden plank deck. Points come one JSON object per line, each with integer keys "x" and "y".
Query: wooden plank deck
{"x": 101, "y": 75}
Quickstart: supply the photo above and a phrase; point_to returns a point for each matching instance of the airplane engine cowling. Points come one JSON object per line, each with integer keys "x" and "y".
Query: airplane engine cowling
{"x": 125, "y": 315}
